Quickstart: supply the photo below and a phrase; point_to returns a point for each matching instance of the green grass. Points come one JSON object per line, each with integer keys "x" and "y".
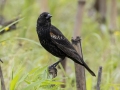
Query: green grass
{"x": 25, "y": 61}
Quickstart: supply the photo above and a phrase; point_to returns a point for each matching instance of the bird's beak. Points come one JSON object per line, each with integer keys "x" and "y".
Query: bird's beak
{"x": 48, "y": 16}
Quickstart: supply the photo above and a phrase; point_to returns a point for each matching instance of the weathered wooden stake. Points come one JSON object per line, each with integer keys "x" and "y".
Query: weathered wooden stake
{"x": 79, "y": 70}
{"x": 99, "y": 78}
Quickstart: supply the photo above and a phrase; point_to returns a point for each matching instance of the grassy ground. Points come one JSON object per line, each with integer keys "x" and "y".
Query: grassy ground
{"x": 25, "y": 61}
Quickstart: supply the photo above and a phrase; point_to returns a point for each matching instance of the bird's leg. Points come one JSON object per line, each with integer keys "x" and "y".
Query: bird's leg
{"x": 55, "y": 64}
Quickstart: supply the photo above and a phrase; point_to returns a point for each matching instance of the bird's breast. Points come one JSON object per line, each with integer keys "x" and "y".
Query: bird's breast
{"x": 43, "y": 33}
{"x": 46, "y": 42}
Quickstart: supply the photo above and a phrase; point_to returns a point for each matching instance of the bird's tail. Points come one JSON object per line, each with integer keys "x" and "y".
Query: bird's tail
{"x": 85, "y": 65}
{"x": 89, "y": 70}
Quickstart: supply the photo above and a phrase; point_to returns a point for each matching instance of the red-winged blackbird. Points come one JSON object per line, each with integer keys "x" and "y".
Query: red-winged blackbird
{"x": 55, "y": 42}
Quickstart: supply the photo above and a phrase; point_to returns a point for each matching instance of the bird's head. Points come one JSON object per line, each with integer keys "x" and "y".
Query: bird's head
{"x": 44, "y": 18}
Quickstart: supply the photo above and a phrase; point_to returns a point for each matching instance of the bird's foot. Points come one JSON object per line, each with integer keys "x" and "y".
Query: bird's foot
{"x": 52, "y": 70}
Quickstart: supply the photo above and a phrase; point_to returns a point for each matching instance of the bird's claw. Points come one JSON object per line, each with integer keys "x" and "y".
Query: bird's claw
{"x": 52, "y": 70}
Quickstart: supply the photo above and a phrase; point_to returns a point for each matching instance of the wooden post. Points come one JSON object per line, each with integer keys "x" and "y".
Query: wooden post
{"x": 113, "y": 20}
{"x": 79, "y": 16}
{"x": 99, "y": 78}
{"x": 102, "y": 6}
{"x": 113, "y": 15}
{"x": 79, "y": 70}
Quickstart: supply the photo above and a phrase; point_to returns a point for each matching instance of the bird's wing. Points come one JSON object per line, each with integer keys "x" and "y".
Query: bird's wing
{"x": 62, "y": 43}
{"x": 59, "y": 38}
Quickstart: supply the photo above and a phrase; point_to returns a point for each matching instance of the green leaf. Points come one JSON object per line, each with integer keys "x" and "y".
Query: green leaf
{"x": 15, "y": 79}
{"x": 31, "y": 86}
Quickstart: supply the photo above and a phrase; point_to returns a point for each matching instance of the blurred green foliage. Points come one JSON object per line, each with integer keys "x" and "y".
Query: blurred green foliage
{"x": 25, "y": 61}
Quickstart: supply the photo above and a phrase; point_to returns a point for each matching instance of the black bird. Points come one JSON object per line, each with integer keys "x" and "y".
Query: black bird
{"x": 56, "y": 43}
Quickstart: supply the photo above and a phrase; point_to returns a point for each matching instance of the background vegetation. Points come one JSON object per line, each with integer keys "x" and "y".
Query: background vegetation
{"x": 25, "y": 61}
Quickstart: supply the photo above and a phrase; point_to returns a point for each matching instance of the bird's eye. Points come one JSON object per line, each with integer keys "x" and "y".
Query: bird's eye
{"x": 45, "y": 15}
